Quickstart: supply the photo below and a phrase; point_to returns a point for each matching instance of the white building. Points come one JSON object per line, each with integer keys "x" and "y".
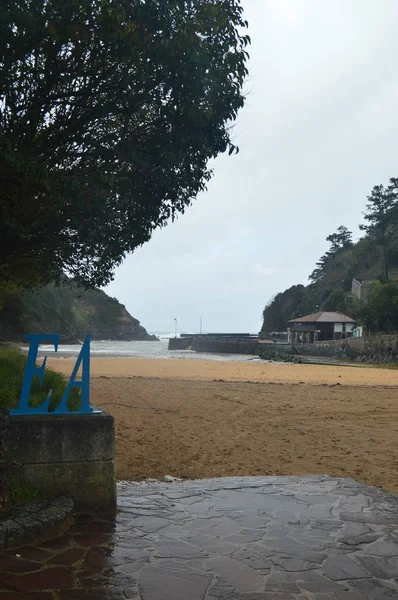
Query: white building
{"x": 320, "y": 326}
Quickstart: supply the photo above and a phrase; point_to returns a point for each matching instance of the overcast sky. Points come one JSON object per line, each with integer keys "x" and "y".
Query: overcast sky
{"x": 319, "y": 129}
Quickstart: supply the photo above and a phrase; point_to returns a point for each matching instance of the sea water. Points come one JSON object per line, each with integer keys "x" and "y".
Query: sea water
{"x": 135, "y": 349}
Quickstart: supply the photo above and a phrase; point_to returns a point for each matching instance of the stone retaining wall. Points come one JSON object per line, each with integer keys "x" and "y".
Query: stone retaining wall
{"x": 35, "y": 522}
{"x": 372, "y": 349}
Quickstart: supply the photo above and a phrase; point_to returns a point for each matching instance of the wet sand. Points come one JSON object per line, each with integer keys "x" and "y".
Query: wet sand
{"x": 249, "y": 370}
{"x": 190, "y": 418}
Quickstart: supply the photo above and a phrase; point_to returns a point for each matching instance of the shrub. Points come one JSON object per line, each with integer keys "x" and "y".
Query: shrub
{"x": 12, "y": 369}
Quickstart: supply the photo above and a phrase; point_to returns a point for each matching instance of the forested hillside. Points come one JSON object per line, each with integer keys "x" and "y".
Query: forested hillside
{"x": 373, "y": 259}
{"x": 70, "y": 311}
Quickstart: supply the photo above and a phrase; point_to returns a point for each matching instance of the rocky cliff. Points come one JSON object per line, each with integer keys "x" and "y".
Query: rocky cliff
{"x": 70, "y": 311}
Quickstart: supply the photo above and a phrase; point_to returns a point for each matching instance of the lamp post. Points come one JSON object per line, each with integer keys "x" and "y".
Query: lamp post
{"x": 175, "y": 320}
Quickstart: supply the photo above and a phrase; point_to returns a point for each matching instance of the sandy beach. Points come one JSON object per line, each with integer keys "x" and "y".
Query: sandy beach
{"x": 191, "y": 418}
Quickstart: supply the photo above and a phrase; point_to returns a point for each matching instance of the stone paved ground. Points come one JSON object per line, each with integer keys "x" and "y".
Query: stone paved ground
{"x": 269, "y": 538}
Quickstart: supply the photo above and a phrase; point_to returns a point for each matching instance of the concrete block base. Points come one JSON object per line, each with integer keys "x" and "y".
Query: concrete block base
{"x": 66, "y": 455}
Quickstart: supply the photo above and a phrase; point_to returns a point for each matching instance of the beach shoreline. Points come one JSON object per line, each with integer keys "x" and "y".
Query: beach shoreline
{"x": 245, "y": 370}
{"x": 198, "y": 419}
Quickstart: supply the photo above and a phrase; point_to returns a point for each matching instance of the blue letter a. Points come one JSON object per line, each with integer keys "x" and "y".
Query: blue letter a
{"x": 84, "y": 384}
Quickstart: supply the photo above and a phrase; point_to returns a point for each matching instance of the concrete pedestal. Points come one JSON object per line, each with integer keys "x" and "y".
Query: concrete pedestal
{"x": 66, "y": 455}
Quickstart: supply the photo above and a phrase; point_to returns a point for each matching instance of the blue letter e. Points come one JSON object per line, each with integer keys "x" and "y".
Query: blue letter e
{"x": 30, "y": 371}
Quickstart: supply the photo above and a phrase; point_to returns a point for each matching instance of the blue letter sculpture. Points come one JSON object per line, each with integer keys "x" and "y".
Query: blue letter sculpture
{"x": 31, "y": 370}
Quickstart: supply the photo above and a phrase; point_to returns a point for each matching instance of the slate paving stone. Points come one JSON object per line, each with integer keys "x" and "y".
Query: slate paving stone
{"x": 342, "y": 567}
{"x": 130, "y": 595}
{"x": 98, "y": 594}
{"x": 382, "y": 548}
{"x": 293, "y": 565}
{"x": 326, "y": 525}
{"x": 59, "y": 543}
{"x": 31, "y": 553}
{"x": 287, "y": 538}
{"x": 375, "y": 589}
{"x": 151, "y": 524}
{"x": 47, "y": 579}
{"x": 213, "y": 545}
{"x": 316, "y": 582}
{"x": 156, "y": 581}
{"x": 98, "y": 557}
{"x": 220, "y": 589}
{"x": 343, "y": 595}
{"x": 32, "y": 596}
{"x": 239, "y": 575}
{"x": 356, "y": 540}
{"x": 256, "y": 557}
{"x": 280, "y": 581}
{"x": 384, "y": 568}
{"x": 178, "y": 549}
{"x": 68, "y": 557}
{"x": 90, "y": 539}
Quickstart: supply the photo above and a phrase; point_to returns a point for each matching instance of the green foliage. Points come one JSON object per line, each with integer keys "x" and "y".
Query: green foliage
{"x": 372, "y": 258}
{"x": 12, "y": 368}
{"x": 9, "y": 292}
{"x": 276, "y": 356}
{"x": 283, "y": 307}
{"x": 109, "y": 113}
{"x": 70, "y": 311}
{"x": 380, "y": 219}
{"x": 380, "y": 312}
{"x": 20, "y": 494}
{"x": 340, "y": 241}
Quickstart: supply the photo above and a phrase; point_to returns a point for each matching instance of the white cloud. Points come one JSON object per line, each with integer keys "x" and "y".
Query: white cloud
{"x": 318, "y": 131}
{"x": 265, "y": 270}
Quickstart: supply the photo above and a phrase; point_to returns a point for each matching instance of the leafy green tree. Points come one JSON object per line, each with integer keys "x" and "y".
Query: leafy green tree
{"x": 341, "y": 240}
{"x": 335, "y": 300}
{"x": 109, "y": 113}
{"x": 380, "y": 312}
{"x": 320, "y": 269}
{"x": 281, "y": 308}
{"x": 379, "y": 209}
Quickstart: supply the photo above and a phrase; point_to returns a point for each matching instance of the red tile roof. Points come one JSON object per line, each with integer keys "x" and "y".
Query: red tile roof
{"x": 324, "y": 317}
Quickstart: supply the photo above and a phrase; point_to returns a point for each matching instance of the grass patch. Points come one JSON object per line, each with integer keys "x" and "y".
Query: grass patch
{"x": 12, "y": 369}
{"x": 20, "y": 494}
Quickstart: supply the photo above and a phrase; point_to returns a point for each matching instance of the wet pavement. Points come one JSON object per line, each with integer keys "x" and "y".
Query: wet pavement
{"x": 268, "y": 538}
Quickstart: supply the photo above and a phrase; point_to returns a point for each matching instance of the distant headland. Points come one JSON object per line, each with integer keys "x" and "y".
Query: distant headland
{"x": 72, "y": 312}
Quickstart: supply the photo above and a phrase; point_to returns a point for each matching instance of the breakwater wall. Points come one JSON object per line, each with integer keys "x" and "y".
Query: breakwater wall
{"x": 381, "y": 349}
{"x": 226, "y": 345}
{"x": 184, "y": 343}
{"x": 223, "y": 344}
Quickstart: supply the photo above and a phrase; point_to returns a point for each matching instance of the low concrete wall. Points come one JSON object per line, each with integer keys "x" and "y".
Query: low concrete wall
{"x": 226, "y": 345}
{"x": 66, "y": 455}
